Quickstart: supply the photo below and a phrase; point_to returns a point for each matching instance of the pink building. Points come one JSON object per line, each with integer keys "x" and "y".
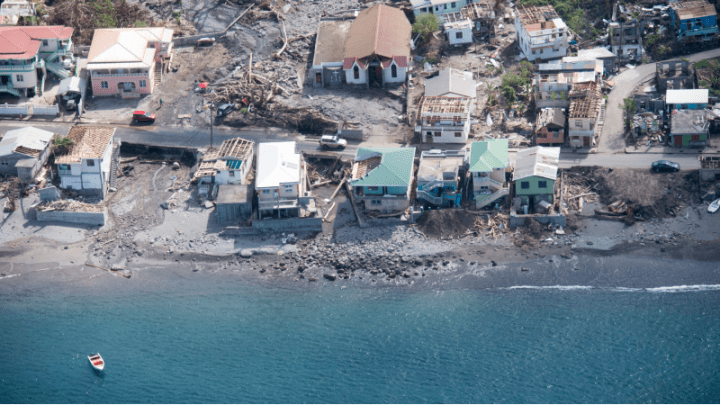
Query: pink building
{"x": 129, "y": 61}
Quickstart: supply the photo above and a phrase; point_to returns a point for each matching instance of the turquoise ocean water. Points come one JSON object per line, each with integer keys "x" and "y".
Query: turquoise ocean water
{"x": 239, "y": 342}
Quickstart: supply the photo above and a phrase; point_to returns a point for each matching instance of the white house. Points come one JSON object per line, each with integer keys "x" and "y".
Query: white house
{"x": 85, "y": 166}
{"x": 279, "y": 180}
{"x": 487, "y": 163}
{"x": 459, "y": 32}
{"x": 541, "y": 33}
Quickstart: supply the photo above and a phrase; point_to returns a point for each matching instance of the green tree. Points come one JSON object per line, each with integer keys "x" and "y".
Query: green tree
{"x": 630, "y": 107}
{"x": 509, "y": 94}
{"x": 61, "y": 145}
{"x": 426, "y": 24}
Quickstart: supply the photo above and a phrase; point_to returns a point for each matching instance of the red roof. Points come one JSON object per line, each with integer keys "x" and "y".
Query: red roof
{"x": 348, "y": 63}
{"x": 400, "y": 61}
{"x": 380, "y": 30}
{"x": 23, "y": 42}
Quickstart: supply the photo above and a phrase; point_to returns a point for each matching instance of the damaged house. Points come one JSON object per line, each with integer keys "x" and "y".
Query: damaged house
{"x": 24, "y": 151}
{"x": 372, "y": 50}
{"x": 446, "y": 109}
{"x": 86, "y": 165}
{"x": 541, "y": 33}
{"x": 585, "y": 115}
{"x": 487, "y": 164}
{"x": 553, "y": 81}
{"x": 382, "y": 178}
{"x": 128, "y": 61}
{"x": 550, "y": 127}
{"x": 12, "y": 10}
{"x": 438, "y": 178}
{"x": 694, "y": 19}
{"x": 473, "y": 20}
{"x": 689, "y": 128}
{"x": 280, "y": 181}
{"x": 626, "y": 40}
{"x": 224, "y": 174}
{"x": 535, "y": 174}
{"x": 674, "y": 74}
{"x": 608, "y": 58}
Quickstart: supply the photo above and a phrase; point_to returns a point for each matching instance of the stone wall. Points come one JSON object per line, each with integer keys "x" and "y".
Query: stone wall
{"x": 519, "y": 220}
{"x": 87, "y": 218}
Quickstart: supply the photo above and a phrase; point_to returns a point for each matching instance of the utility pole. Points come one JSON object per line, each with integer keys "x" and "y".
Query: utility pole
{"x": 212, "y": 119}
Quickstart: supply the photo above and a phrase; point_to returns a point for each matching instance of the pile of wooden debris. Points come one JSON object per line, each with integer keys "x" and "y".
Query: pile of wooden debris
{"x": 69, "y": 205}
{"x": 576, "y": 192}
{"x": 495, "y": 226}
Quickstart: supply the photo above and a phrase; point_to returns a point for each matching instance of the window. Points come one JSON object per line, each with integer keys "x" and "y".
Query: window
{"x": 45, "y": 42}
{"x": 458, "y": 35}
{"x": 63, "y": 167}
{"x": 578, "y": 124}
{"x": 373, "y": 188}
{"x": 375, "y": 202}
{"x": 445, "y": 6}
{"x": 91, "y": 162}
{"x": 525, "y": 185}
{"x": 542, "y": 184}
{"x": 458, "y": 134}
{"x": 694, "y": 137}
{"x": 429, "y": 133}
{"x": 356, "y": 72}
{"x": 541, "y": 51}
{"x": 533, "y": 52}
{"x": 19, "y": 78}
{"x": 437, "y": 134}
{"x": 232, "y": 173}
{"x": 266, "y": 191}
{"x": 288, "y": 187}
{"x": 103, "y": 85}
{"x": 393, "y": 70}
{"x": 452, "y": 4}
{"x": 143, "y": 83}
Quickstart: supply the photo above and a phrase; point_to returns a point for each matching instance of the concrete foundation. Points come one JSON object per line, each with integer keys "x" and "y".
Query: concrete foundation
{"x": 288, "y": 225}
{"x": 87, "y": 218}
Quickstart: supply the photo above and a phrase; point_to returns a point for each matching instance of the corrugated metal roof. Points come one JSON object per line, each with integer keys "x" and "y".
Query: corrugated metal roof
{"x": 537, "y": 161}
{"x": 485, "y": 156}
{"x": 395, "y": 168}
{"x": 451, "y": 81}
{"x": 125, "y": 45}
{"x": 695, "y": 96}
{"x": 72, "y": 83}
{"x": 277, "y": 163}
{"x": 380, "y": 30}
{"x": 28, "y": 138}
{"x": 693, "y": 9}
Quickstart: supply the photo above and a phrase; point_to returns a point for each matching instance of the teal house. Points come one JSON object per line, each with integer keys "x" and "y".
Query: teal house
{"x": 438, "y": 181}
{"x": 535, "y": 174}
{"x": 382, "y": 178}
{"x": 486, "y": 170}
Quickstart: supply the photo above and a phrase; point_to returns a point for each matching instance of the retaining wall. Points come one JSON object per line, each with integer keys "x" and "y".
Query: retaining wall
{"x": 519, "y": 220}
{"x": 355, "y": 134}
{"x": 287, "y": 224}
{"x": 87, "y": 218}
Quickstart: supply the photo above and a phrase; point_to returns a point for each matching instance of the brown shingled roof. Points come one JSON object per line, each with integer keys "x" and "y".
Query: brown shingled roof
{"x": 88, "y": 143}
{"x": 380, "y": 30}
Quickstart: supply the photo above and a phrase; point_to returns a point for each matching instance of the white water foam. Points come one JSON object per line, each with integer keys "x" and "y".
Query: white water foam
{"x": 670, "y": 289}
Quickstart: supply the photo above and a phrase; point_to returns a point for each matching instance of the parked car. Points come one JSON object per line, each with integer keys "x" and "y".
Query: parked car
{"x": 225, "y": 109}
{"x": 332, "y": 142}
{"x": 142, "y": 116}
{"x": 665, "y": 166}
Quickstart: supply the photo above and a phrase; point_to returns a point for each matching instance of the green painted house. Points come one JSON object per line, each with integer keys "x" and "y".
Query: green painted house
{"x": 689, "y": 128}
{"x": 535, "y": 174}
{"x": 382, "y": 178}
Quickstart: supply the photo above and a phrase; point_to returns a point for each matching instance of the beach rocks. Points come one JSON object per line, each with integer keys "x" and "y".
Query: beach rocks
{"x": 246, "y": 253}
{"x": 330, "y": 277}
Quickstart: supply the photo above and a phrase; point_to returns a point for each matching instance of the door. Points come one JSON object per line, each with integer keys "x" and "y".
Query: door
{"x": 429, "y": 137}
{"x": 678, "y": 140}
{"x": 586, "y": 141}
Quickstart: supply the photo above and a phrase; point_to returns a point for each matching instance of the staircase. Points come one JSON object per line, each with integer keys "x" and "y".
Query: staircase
{"x": 115, "y": 159}
{"x": 55, "y": 55}
{"x": 158, "y": 74}
{"x": 484, "y": 200}
{"x": 424, "y": 195}
{"x": 58, "y": 70}
{"x": 8, "y": 89}
{"x": 600, "y": 121}
{"x": 433, "y": 184}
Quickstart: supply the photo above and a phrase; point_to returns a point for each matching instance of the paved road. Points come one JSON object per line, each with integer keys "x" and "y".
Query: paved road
{"x": 622, "y": 160}
{"x": 612, "y": 139}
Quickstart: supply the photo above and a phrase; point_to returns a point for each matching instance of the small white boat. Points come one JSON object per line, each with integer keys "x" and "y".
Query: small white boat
{"x": 97, "y": 362}
{"x": 714, "y": 206}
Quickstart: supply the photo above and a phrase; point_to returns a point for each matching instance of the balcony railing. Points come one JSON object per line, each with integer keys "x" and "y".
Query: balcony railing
{"x": 278, "y": 203}
{"x": 479, "y": 181}
{"x": 121, "y": 75}
{"x": 17, "y": 68}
